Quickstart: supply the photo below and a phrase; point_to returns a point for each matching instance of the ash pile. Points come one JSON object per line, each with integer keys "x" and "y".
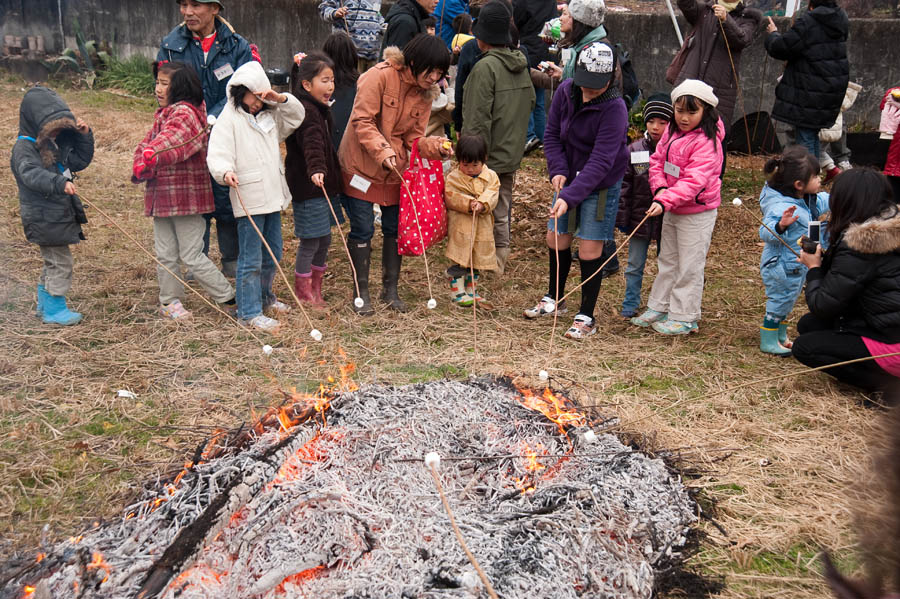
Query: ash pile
{"x": 342, "y": 506}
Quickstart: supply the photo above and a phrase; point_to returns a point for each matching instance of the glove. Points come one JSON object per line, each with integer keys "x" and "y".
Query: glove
{"x": 141, "y": 172}
{"x": 150, "y": 157}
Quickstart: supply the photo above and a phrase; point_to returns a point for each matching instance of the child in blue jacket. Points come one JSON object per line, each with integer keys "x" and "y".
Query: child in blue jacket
{"x": 789, "y": 201}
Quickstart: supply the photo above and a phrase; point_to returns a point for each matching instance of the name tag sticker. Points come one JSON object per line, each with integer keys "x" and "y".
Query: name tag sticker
{"x": 672, "y": 170}
{"x": 359, "y": 183}
{"x": 67, "y": 174}
{"x": 640, "y": 157}
{"x": 224, "y": 71}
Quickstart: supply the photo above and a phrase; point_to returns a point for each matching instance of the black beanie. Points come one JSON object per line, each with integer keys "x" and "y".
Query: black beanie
{"x": 492, "y": 24}
{"x": 659, "y": 106}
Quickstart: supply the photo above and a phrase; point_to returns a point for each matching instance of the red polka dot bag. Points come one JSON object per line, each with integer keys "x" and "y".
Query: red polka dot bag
{"x": 425, "y": 209}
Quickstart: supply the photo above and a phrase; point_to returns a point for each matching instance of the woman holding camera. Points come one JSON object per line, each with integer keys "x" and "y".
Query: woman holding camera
{"x": 853, "y": 289}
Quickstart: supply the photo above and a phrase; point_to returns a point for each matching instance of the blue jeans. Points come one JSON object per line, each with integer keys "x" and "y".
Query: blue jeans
{"x": 634, "y": 273}
{"x": 361, "y": 215}
{"x": 255, "y": 269}
{"x": 808, "y": 138}
{"x": 537, "y": 122}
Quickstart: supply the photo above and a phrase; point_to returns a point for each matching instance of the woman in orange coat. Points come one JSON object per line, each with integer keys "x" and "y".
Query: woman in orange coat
{"x": 391, "y": 110}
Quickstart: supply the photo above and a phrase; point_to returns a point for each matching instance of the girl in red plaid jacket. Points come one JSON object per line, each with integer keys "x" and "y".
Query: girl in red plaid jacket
{"x": 172, "y": 160}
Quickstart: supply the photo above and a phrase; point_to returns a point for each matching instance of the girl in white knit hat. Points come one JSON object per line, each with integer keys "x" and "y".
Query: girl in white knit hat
{"x": 685, "y": 180}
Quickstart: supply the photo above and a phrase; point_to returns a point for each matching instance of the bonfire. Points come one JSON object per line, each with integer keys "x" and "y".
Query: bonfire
{"x": 330, "y": 497}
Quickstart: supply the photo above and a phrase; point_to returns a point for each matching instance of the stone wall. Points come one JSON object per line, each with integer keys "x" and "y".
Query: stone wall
{"x": 283, "y": 27}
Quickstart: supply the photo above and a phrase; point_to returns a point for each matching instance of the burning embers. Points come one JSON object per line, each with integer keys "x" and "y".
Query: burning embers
{"x": 349, "y": 510}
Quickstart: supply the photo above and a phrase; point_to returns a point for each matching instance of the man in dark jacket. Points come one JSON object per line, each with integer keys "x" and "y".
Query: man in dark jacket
{"x": 405, "y": 21}
{"x": 710, "y": 54}
{"x": 815, "y": 79}
{"x": 52, "y": 144}
{"x": 497, "y": 101}
{"x": 529, "y": 17}
{"x": 208, "y": 43}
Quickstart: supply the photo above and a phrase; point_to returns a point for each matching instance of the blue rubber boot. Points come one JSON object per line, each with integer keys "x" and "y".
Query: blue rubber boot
{"x": 41, "y": 300}
{"x": 57, "y": 312}
{"x": 782, "y": 335}
{"x": 768, "y": 343}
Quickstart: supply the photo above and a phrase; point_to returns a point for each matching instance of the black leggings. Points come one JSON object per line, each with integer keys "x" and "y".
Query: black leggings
{"x": 819, "y": 344}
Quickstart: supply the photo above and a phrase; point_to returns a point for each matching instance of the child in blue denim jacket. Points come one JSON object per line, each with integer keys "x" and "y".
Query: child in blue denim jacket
{"x": 789, "y": 201}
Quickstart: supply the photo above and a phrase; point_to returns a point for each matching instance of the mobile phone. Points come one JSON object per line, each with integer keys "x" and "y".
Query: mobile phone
{"x": 810, "y": 241}
{"x": 813, "y": 231}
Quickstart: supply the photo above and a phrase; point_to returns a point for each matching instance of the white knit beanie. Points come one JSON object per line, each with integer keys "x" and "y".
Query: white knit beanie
{"x": 589, "y": 12}
{"x": 696, "y": 88}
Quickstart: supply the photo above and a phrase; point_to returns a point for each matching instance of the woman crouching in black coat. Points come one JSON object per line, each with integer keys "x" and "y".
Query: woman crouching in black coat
{"x": 853, "y": 290}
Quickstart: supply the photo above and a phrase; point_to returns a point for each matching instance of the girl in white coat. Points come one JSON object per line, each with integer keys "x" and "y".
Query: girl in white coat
{"x": 244, "y": 154}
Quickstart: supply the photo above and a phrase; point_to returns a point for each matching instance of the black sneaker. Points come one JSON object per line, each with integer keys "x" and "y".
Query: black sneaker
{"x": 532, "y": 144}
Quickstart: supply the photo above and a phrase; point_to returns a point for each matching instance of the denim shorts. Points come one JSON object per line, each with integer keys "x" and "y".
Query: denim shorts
{"x": 589, "y": 227}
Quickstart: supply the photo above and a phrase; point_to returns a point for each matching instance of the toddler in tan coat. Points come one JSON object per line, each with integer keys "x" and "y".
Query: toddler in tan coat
{"x": 471, "y": 194}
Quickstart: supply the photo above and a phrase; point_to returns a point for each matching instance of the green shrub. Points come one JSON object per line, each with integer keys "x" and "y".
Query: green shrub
{"x": 133, "y": 75}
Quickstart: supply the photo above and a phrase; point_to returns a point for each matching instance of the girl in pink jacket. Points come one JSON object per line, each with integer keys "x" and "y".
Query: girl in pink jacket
{"x": 685, "y": 179}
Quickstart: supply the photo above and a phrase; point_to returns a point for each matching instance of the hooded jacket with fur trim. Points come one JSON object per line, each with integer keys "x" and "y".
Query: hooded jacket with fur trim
{"x": 248, "y": 146}
{"x": 49, "y": 144}
{"x": 858, "y": 285}
{"x": 389, "y": 113}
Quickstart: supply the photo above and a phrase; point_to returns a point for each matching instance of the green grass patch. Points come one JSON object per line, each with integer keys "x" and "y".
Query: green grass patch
{"x": 133, "y": 75}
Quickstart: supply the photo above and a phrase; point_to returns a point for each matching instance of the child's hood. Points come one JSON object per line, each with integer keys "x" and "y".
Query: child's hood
{"x": 42, "y": 115}
{"x": 252, "y": 76}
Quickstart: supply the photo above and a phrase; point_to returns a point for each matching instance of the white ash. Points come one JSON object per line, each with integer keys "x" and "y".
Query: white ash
{"x": 356, "y": 511}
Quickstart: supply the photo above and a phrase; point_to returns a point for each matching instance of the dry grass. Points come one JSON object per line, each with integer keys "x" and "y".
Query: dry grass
{"x": 71, "y": 451}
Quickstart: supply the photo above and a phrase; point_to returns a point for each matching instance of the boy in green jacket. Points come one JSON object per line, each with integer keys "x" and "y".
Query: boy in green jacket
{"x": 497, "y": 101}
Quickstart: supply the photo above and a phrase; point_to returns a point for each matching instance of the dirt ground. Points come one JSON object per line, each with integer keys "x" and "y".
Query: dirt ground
{"x": 775, "y": 458}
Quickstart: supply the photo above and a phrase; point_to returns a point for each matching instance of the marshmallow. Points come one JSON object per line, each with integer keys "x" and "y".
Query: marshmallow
{"x": 432, "y": 304}
{"x": 590, "y": 436}
{"x": 316, "y": 334}
{"x": 358, "y": 302}
{"x": 543, "y": 375}
{"x": 211, "y": 120}
{"x": 737, "y": 201}
{"x": 432, "y": 459}
{"x": 267, "y": 349}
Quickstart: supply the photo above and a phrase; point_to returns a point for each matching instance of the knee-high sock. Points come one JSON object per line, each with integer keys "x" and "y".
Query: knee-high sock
{"x": 559, "y": 272}
{"x": 591, "y": 289}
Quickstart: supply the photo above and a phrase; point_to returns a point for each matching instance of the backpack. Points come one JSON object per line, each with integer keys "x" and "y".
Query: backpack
{"x": 631, "y": 91}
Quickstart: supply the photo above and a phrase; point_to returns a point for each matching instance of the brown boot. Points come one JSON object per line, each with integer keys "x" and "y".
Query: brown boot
{"x": 318, "y": 273}
{"x": 303, "y": 287}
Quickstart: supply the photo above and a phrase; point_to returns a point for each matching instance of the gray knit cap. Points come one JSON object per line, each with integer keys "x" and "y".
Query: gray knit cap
{"x": 589, "y": 12}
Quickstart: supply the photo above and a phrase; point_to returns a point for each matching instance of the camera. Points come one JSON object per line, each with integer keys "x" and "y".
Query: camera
{"x": 813, "y": 236}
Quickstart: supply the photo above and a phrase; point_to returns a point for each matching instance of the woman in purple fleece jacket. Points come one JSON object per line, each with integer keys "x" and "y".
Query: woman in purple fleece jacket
{"x": 585, "y": 145}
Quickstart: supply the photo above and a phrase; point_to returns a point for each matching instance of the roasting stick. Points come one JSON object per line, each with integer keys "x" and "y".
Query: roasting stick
{"x": 737, "y": 85}
{"x": 432, "y": 303}
{"x": 314, "y": 332}
{"x": 138, "y": 245}
{"x": 358, "y": 301}
{"x": 543, "y": 374}
{"x": 615, "y": 253}
{"x": 739, "y": 202}
{"x": 432, "y": 461}
{"x": 474, "y": 286}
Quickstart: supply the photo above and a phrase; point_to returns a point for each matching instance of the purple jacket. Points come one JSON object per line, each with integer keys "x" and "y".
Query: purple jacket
{"x": 588, "y": 146}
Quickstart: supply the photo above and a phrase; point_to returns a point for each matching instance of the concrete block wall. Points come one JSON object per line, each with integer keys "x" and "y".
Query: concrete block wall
{"x": 283, "y": 27}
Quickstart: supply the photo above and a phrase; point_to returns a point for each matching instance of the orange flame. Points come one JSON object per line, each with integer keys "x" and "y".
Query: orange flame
{"x": 29, "y": 590}
{"x": 557, "y": 409}
{"x": 299, "y": 578}
{"x": 97, "y": 562}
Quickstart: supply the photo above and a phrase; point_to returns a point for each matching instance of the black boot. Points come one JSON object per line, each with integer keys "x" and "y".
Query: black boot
{"x": 360, "y": 254}
{"x": 390, "y": 275}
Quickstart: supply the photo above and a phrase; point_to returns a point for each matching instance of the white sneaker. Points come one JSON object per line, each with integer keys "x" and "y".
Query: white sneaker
{"x": 545, "y": 307}
{"x": 582, "y": 327}
{"x": 844, "y": 165}
{"x": 278, "y": 307}
{"x": 263, "y": 323}
{"x": 175, "y": 310}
